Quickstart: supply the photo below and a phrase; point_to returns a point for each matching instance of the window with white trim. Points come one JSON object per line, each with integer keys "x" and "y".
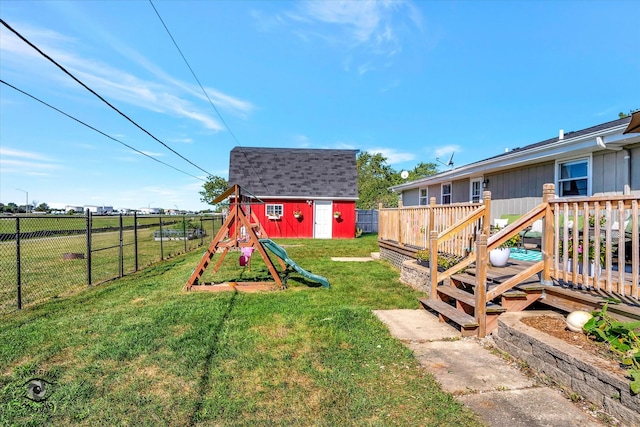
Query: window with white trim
{"x": 476, "y": 190}
{"x": 424, "y": 197}
{"x": 445, "y": 194}
{"x": 573, "y": 178}
{"x": 273, "y": 210}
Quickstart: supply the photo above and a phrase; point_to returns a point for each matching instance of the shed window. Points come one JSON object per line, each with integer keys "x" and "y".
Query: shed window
{"x": 424, "y": 197}
{"x": 274, "y": 210}
{"x": 573, "y": 178}
{"x": 446, "y": 194}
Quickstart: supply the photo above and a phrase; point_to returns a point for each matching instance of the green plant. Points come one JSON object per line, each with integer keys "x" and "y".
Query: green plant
{"x": 423, "y": 255}
{"x": 358, "y": 232}
{"x": 580, "y": 251}
{"x": 621, "y": 339}
{"x": 511, "y": 243}
{"x": 592, "y": 221}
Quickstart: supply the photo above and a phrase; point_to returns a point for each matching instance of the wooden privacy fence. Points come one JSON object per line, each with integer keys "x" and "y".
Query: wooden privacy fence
{"x": 591, "y": 242}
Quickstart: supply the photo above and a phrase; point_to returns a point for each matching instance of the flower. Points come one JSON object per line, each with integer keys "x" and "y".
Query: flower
{"x": 580, "y": 251}
{"x": 337, "y": 214}
{"x": 297, "y": 213}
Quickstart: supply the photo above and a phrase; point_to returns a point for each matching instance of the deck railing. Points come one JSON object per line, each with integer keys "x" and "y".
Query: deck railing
{"x": 591, "y": 242}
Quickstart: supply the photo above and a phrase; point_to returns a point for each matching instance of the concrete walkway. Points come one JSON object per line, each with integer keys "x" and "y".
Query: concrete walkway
{"x": 499, "y": 393}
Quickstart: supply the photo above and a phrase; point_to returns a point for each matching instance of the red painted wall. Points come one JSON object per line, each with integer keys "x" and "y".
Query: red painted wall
{"x": 345, "y": 226}
{"x": 288, "y": 226}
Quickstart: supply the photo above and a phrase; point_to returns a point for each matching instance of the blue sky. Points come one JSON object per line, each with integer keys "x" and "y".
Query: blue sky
{"x": 412, "y": 80}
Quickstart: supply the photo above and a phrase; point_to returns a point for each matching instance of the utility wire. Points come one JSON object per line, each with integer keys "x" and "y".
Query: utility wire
{"x": 99, "y": 97}
{"x": 97, "y": 130}
{"x": 207, "y": 96}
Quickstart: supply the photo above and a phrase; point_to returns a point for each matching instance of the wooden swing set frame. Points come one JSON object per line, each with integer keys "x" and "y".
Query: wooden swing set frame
{"x": 244, "y": 231}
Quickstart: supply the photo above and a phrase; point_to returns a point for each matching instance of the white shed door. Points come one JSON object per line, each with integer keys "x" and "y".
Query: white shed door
{"x": 322, "y": 214}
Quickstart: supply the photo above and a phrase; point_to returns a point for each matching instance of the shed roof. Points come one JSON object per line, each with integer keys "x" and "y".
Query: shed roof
{"x": 295, "y": 173}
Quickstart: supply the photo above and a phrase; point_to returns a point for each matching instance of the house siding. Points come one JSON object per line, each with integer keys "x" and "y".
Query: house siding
{"x": 460, "y": 191}
{"x": 345, "y": 226}
{"x": 635, "y": 169}
{"x": 411, "y": 197}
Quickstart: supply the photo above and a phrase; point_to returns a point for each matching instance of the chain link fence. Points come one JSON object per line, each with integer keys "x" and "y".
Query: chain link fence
{"x": 49, "y": 256}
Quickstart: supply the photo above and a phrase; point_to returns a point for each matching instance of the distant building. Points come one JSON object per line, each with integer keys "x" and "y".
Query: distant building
{"x": 77, "y": 209}
{"x": 99, "y": 210}
{"x": 149, "y": 211}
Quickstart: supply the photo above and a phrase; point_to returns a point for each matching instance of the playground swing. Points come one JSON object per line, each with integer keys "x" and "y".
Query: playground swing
{"x": 247, "y": 234}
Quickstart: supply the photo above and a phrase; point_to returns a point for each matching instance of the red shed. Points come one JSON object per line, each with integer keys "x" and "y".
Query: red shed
{"x": 306, "y": 192}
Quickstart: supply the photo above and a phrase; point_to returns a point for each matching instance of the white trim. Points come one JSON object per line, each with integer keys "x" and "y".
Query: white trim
{"x": 426, "y": 197}
{"x": 576, "y": 159}
{"x": 479, "y": 181}
{"x": 450, "y": 193}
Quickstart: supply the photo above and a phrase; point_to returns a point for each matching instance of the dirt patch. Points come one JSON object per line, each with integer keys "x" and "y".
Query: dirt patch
{"x": 558, "y": 328}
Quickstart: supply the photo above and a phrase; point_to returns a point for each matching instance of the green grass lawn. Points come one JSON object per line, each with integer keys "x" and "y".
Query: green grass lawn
{"x": 140, "y": 351}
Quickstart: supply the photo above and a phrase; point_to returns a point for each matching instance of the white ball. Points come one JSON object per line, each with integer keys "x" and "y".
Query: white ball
{"x": 577, "y": 319}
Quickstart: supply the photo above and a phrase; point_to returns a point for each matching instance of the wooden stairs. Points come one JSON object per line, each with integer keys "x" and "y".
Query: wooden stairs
{"x": 456, "y": 302}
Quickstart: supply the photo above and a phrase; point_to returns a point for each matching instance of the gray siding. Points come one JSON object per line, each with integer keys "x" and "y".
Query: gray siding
{"x": 635, "y": 169}
{"x": 608, "y": 172}
{"x": 411, "y": 197}
{"x": 460, "y": 191}
{"x": 523, "y": 182}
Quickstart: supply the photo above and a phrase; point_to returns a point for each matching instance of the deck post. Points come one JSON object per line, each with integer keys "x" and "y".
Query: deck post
{"x": 486, "y": 221}
{"x": 433, "y": 263}
{"x": 432, "y": 205}
{"x": 480, "y": 290}
{"x": 548, "y": 193}
{"x": 400, "y": 240}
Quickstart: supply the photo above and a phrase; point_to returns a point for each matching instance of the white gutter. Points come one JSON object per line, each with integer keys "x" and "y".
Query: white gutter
{"x": 583, "y": 143}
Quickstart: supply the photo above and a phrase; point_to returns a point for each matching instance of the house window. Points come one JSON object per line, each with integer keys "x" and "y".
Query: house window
{"x": 424, "y": 197}
{"x": 446, "y": 194}
{"x": 476, "y": 190}
{"x": 274, "y": 210}
{"x": 573, "y": 178}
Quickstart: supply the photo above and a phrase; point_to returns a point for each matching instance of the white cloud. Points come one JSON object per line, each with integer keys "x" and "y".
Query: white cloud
{"x": 446, "y": 150}
{"x": 165, "y": 95}
{"x": 392, "y": 155}
{"x": 10, "y": 152}
{"x": 369, "y": 27}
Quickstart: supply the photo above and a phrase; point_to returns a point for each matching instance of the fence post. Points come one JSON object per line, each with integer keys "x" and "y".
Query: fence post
{"x": 548, "y": 193}
{"x": 481, "y": 285}
{"x": 201, "y": 232}
{"x": 184, "y": 232}
{"x": 19, "y": 275}
{"x": 161, "y": 239}
{"x": 135, "y": 238}
{"x": 121, "y": 250}
{"x": 432, "y": 215}
{"x": 400, "y": 222}
{"x": 433, "y": 263}
{"x": 88, "y": 247}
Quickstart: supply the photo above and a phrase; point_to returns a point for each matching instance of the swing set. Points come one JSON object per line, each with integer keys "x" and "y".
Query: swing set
{"x": 242, "y": 230}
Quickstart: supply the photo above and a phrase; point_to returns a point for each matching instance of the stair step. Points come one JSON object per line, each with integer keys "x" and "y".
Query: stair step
{"x": 466, "y": 322}
{"x": 467, "y": 298}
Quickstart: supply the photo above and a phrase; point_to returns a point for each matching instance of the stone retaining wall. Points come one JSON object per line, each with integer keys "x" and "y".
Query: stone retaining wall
{"x": 591, "y": 377}
{"x": 394, "y": 257}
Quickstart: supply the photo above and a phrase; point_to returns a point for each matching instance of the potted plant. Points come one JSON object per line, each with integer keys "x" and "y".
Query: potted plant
{"x": 297, "y": 214}
{"x": 499, "y": 256}
{"x": 422, "y": 257}
{"x": 579, "y": 254}
{"x": 337, "y": 214}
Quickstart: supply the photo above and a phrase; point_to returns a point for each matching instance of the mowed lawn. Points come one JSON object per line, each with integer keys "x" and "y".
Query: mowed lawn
{"x": 140, "y": 351}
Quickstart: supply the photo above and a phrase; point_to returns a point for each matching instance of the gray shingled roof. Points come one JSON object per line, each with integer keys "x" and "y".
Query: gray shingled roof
{"x": 290, "y": 172}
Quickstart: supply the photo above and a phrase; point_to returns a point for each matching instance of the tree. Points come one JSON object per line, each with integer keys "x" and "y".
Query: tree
{"x": 374, "y": 179}
{"x": 423, "y": 170}
{"x": 42, "y": 207}
{"x": 213, "y": 188}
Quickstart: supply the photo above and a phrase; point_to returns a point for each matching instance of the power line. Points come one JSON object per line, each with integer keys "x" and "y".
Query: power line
{"x": 97, "y": 130}
{"x": 98, "y": 96}
{"x": 207, "y": 96}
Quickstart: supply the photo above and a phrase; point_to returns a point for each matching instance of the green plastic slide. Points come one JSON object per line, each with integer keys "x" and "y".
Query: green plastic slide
{"x": 282, "y": 254}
